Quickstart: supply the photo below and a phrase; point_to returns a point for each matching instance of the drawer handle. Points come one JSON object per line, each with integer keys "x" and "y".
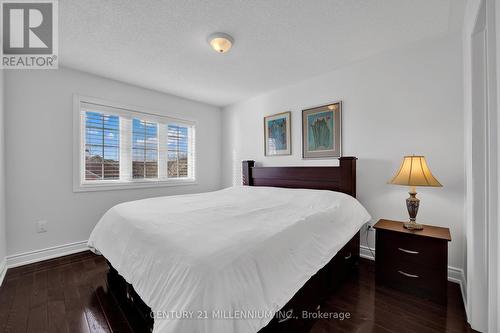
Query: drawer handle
{"x": 347, "y": 257}
{"x": 407, "y": 251}
{"x": 408, "y": 275}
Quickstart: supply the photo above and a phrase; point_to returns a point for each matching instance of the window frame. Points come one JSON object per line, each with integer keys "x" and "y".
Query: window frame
{"x": 80, "y": 184}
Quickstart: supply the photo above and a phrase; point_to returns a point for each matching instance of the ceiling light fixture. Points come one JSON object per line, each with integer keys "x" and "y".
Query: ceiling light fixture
{"x": 220, "y": 42}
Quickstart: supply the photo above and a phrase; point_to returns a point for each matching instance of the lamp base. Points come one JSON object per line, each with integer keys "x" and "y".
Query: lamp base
{"x": 413, "y": 226}
{"x": 412, "y": 204}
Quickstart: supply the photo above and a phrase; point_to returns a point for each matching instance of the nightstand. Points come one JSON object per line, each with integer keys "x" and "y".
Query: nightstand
{"x": 412, "y": 261}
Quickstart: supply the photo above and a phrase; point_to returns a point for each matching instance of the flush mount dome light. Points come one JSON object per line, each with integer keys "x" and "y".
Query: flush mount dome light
{"x": 220, "y": 42}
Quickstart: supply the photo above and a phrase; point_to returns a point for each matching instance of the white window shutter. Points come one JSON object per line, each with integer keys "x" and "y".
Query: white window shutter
{"x": 126, "y": 149}
{"x": 163, "y": 150}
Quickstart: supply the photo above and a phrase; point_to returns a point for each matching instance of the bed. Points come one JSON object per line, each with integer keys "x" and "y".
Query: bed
{"x": 244, "y": 259}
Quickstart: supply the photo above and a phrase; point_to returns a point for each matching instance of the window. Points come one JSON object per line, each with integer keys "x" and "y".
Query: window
{"x": 118, "y": 147}
{"x": 144, "y": 149}
{"x": 179, "y": 151}
{"x": 102, "y": 146}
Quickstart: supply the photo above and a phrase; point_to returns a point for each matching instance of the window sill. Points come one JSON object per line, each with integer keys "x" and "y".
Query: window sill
{"x": 112, "y": 185}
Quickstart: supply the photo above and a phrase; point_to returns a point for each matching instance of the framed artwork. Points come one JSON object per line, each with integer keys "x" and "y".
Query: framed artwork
{"x": 277, "y": 136}
{"x": 321, "y": 131}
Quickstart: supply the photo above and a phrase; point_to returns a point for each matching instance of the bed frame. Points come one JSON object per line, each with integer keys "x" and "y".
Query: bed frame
{"x": 340, "y": 178}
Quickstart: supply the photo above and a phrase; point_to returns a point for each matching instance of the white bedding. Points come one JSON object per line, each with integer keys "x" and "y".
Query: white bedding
{"x": 219, "y": 256}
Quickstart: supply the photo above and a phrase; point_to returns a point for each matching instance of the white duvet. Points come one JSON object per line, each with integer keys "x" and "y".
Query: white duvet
{"x": 225, "y": 261}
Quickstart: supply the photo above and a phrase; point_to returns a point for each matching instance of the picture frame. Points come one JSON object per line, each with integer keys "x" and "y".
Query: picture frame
{"x": 277, "y": 134}
{"x": 322, "y": 131}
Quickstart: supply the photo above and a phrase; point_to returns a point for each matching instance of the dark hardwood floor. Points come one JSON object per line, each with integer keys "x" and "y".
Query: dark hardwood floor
{"x": 69, "y": 294}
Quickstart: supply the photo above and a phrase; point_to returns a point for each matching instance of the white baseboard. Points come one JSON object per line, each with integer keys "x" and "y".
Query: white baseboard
{"x": 364, "y": 252}
{"x": 455, "y": 275}
{"x": 3, "y": 270}
{"x": 30, "y": 257}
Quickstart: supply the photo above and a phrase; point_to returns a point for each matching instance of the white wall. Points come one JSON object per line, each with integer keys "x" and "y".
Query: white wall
{"x": 3, "y": 238}
{"x": 400, "y": 102}
{"x": 39, "y": 111}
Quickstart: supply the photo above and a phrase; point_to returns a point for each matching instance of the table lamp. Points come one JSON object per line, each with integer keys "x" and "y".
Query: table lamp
{"x": 414, "y": 172}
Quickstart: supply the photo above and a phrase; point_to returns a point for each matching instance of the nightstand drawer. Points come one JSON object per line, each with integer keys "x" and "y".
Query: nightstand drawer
{"x": 426, "y": 282}
{"x": 419, "y": 251}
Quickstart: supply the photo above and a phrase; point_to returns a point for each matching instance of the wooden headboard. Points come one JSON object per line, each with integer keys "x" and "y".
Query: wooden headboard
{"x": 340, "y": 178}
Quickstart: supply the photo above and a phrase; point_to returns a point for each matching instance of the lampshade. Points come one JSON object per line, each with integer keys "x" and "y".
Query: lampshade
{"x": 415, "y": 172}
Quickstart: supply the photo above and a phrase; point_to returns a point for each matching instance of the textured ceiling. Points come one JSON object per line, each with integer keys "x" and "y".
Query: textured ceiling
{"x": 162, "y": 44}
